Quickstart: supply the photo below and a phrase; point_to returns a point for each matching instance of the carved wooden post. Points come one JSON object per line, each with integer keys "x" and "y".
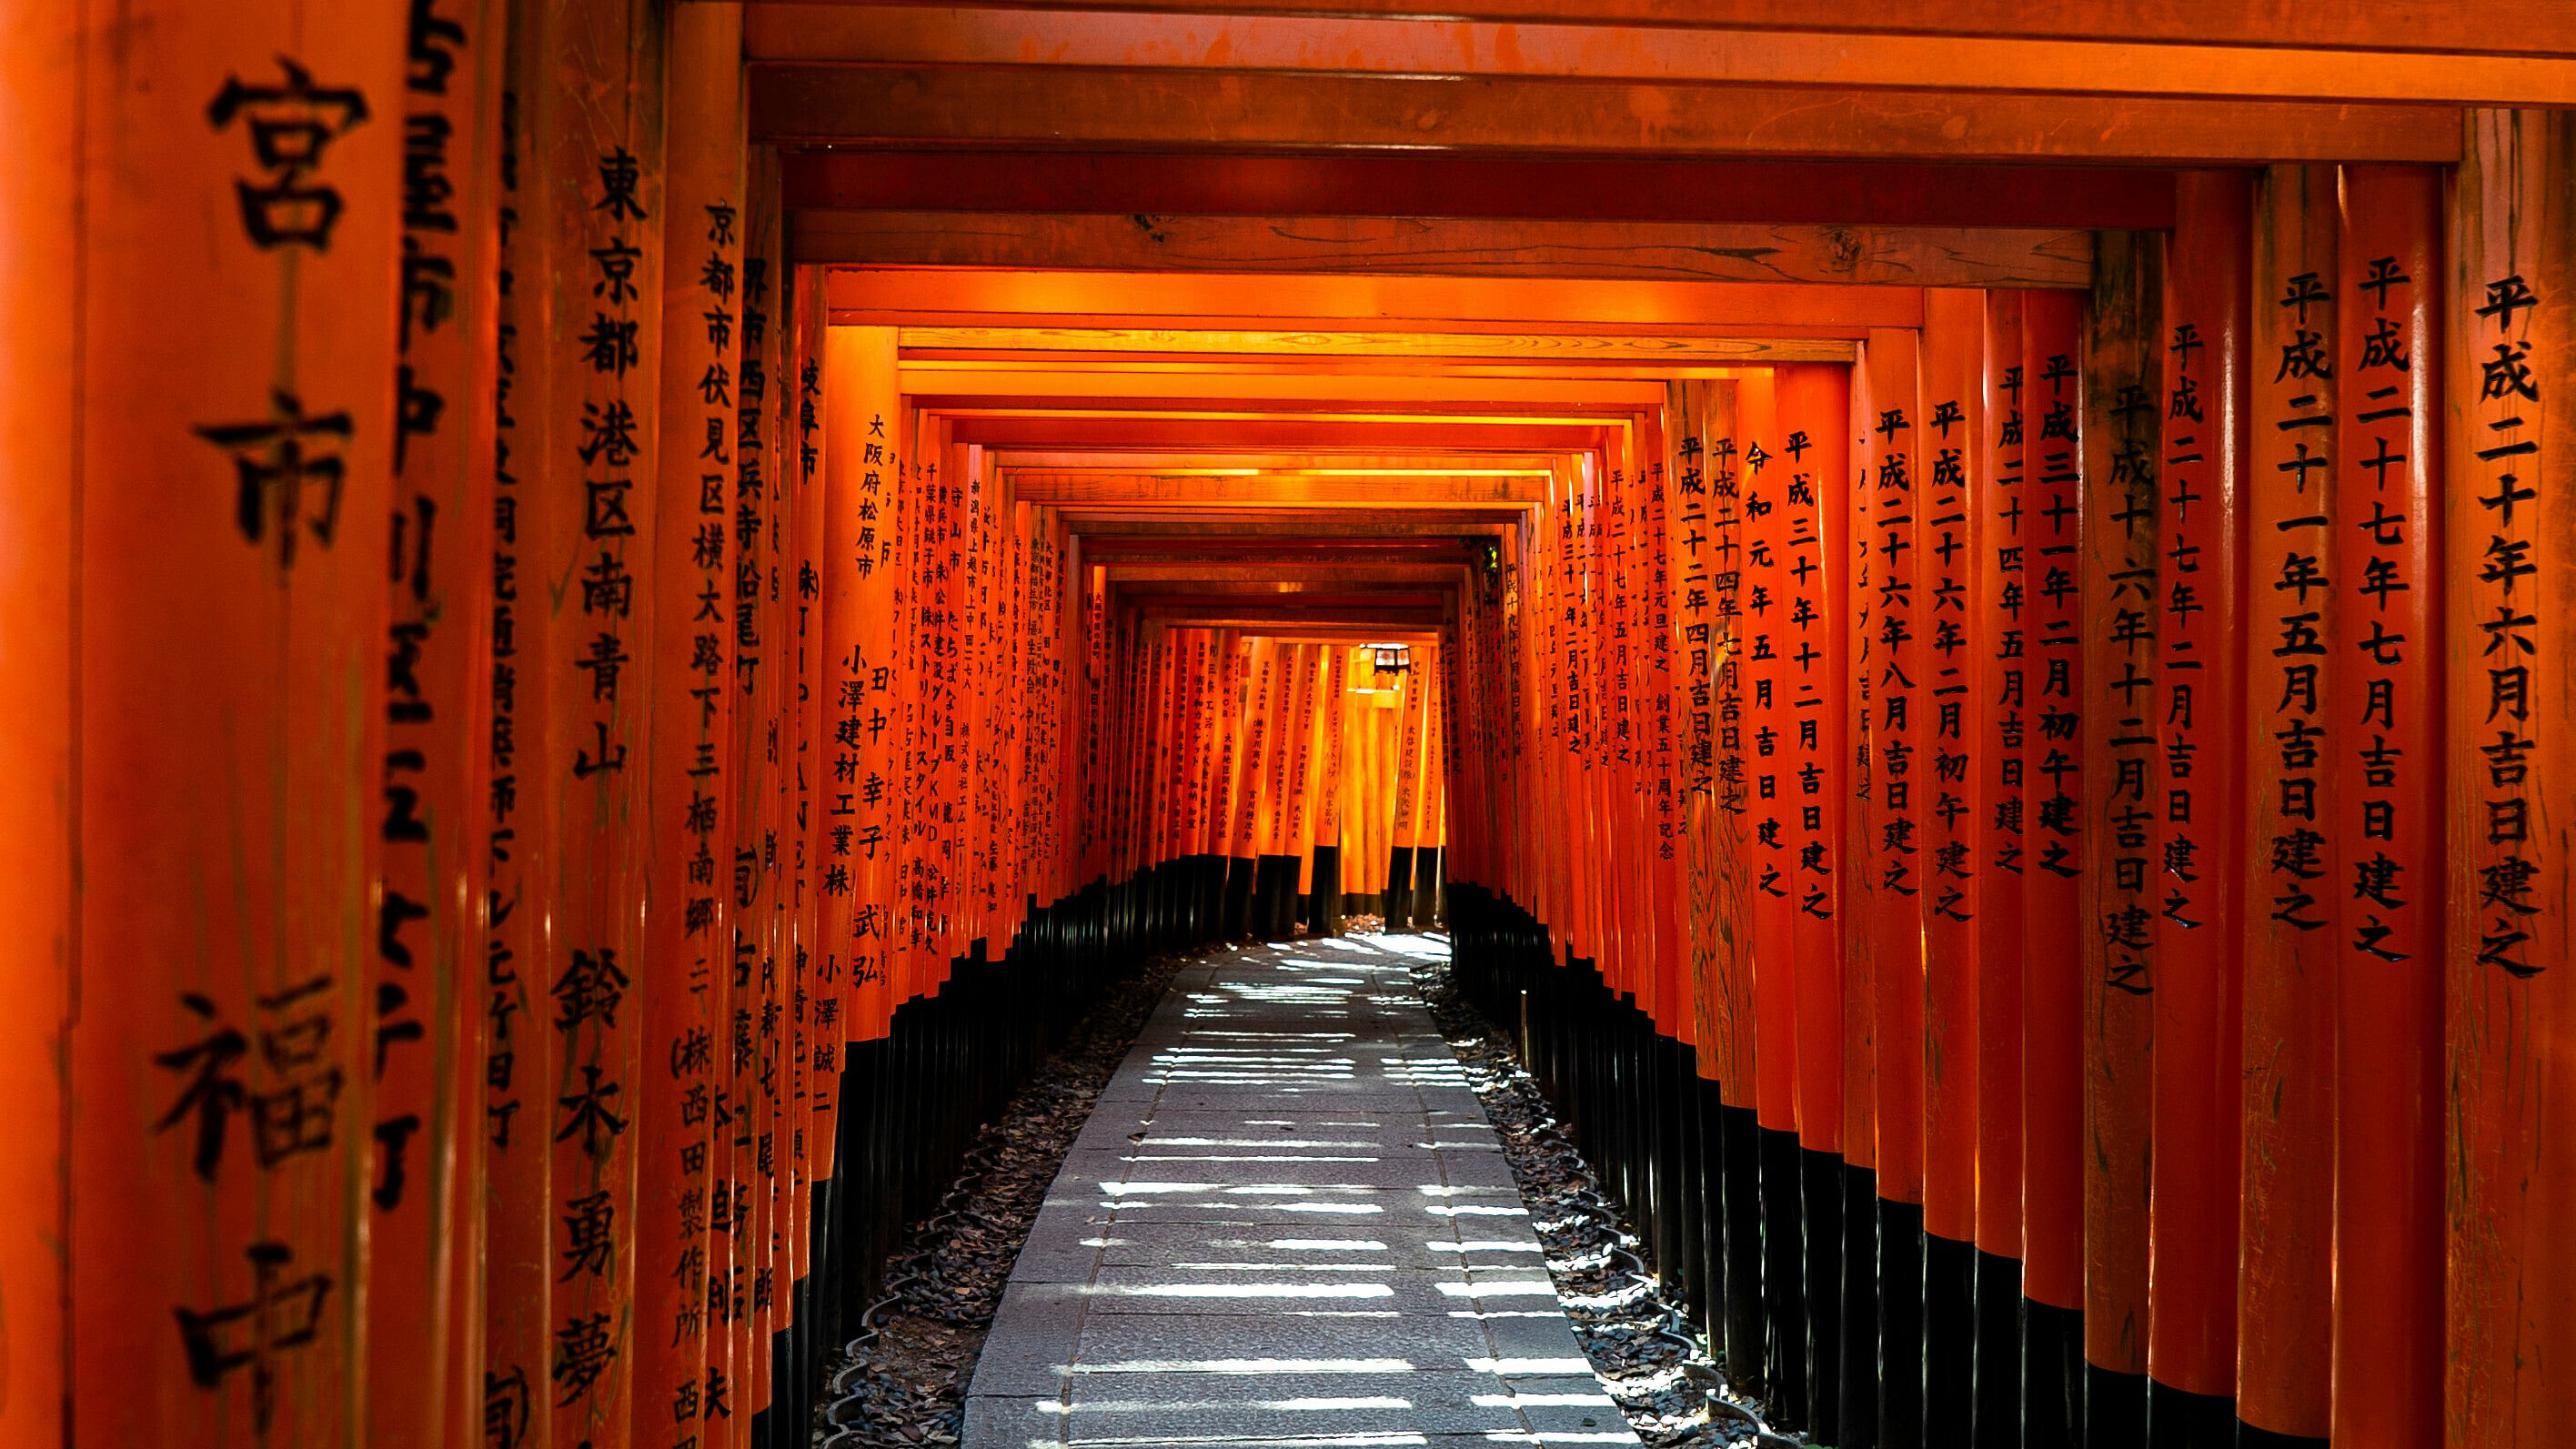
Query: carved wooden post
{"x": 2512, "y": 1296}
{"x": 2057, "y": 860}
{"x": 2123, "y": 409}
{"x": 2286, "y": 1284}
{"x": 2385, "y": 747}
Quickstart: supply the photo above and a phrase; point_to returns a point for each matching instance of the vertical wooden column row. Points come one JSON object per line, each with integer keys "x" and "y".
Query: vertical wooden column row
{"x": 1763, "y": 659}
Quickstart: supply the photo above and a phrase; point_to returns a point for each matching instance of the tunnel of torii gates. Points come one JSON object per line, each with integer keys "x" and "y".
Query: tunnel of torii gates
{"x": 610, "y": 611}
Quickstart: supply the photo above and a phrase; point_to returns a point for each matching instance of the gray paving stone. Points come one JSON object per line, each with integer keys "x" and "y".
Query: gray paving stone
{"x": 1287, "y": 1222}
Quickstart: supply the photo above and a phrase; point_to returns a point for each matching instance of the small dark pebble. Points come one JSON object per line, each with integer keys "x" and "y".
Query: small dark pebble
{"x": 1658, "y": 1370}
{"x": 905, "y": 1383}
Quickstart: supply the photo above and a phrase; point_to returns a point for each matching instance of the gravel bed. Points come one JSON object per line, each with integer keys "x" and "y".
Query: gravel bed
{"x": 902, "y": 1381}
{"x": 1641, "y": 1345}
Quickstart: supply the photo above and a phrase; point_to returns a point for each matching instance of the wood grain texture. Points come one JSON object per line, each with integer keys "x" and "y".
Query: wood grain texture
{"x": 805, "y": 104}
{"x": 2512, "y": 27}
{"x": 2106, "y": 63}
{"x": 1591, "y": 348}
{"x": 1638, "y": 251}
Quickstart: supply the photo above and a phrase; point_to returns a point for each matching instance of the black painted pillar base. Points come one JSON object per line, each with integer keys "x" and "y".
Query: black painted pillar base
{"x": 1712, "y": 1314}
{"x": 2115, "y": 1409}
{"x": 1821, "y": 1187}
{"x": 1430, "y": 888}
{"x": 2250, "y": 1437}
{"x": 1235, "y": 923}
{"x": 1399, "y": 888}
{"x": 1324, "y": 915}
{"x": 1274, "y": 898}
{"x": 1949, "y": 1342}
{"x": 1860, "y": 1308}
{"x": 2180, "y": 1419}
{"x": 1999, "y": 1340}
{"x": 1741, "y": 1135}
{"x": 1900, "y": 1324}
{"x": 1687, "y": 1269}
{"x": 1783, "y": 1287}
{"x": 2052, "y": 1376}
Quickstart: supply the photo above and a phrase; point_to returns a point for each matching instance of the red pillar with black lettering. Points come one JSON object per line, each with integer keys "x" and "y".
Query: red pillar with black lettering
{"x": 2286, "y": 1278}
{"x": 2385, "y": 748}
{"x": 2198, "y": 797}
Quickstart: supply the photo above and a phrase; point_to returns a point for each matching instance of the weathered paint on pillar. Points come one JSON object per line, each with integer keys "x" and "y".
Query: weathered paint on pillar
{"x": 2056, "y": 857}
{"x": 231, "y": 465}
{"x": 2123, "y": 355}
{"x": 684, "y": 979}
{"x": 1814, "y": 407}
{"x": 1951, "y": 459}
{"x": 39, "y": 389}
{"x": 2287, "y": 1279}
{"x": 2387, "y": 745}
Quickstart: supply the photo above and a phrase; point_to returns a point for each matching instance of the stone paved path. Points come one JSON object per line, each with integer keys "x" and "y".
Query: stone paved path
{"x": 1287, "y": 1223}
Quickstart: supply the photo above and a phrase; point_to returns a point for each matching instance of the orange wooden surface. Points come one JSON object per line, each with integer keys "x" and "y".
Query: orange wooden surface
{"x": 691, "y": 988}
{"x": 425, "y": 1249}
{"x": 1708, "y": 548}
{"x": 1861, "y": 889}
{"x": 1767, "y": 660}
{"x": 2388, "y": 709}
{"x": 2057, "y": 830}
{"x": 1814, "y": 409}
{"x": 1950, "y": 456}
{"x": 2199, "y": 875}
{"x": 229, "y": 462}
{"x": 38, "y": 662}
{"x": 2511, "y": 1292}
{"x": 2123, "y": 352}
{"x": 2004, "y": 711}
{"x": 2285, "y": 1288}
{"x": 1897, "y": 661}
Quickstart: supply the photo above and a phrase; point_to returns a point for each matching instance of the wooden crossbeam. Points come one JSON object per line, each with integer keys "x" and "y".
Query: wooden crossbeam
{"x": 2487, "y": 27}
{"x": 900, "y": 296}
{"x": 1276, "y": 491}
{"x": 1058, "y": 343}
{"x": 811, "y": 104}
{"x": 1128, "y": 432}
{"x": 1476, "y": 247}
{"x": 2107, "y": 62}
{"x": 1849, "y": 193}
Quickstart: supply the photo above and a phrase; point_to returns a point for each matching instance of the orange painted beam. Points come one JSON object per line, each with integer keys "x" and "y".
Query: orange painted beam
{"x": 825, "y": 105}
{"x": 1444, "y": 246}
{"x": 1490, "y": 305}
{"x": 2518, "y": 27}
{"x": 2105, "y": 64}
{"x": 1705, "y": 190}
